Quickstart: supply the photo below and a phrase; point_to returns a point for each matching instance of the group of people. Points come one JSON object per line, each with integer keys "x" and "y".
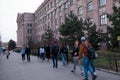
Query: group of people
{"x": 80, "y": 56}
{"x": 53, "y": 52}
{"x": 26, "y": 51}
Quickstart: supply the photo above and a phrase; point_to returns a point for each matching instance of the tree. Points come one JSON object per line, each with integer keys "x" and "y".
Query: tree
{"x": 71, "y": 30}
{"x": 48, "y": 36}
{"x": 11, "y": 44}
{"x": 114, "y": 28}
{"x": 93, "y": 35}
{"x": 30, "y": 43}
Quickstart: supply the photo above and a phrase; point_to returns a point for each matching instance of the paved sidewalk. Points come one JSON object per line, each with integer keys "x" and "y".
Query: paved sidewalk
{"x": 15, "y": 69}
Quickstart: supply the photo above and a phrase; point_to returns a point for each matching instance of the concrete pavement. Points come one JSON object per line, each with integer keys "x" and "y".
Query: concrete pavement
{"x": 15, "y": 69}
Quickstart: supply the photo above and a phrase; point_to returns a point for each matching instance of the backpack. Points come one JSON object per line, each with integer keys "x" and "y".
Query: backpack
{"x": 55, "y": 49}
{"x": 91, "y": 52}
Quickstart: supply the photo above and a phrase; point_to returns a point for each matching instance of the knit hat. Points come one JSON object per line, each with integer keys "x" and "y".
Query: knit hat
{"x": 83, "y": 38}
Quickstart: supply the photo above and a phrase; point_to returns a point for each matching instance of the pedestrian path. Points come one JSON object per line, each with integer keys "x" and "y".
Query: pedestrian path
{"x": 15, "y": 69}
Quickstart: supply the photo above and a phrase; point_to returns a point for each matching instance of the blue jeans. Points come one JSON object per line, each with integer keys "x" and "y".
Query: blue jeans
{"x": 91, "y": 62}
{"x": 63, "y": 57}
{"x": 87, "y": 68}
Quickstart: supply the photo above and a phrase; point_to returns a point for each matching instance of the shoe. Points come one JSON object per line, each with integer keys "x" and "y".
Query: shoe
{"x": 82, "y": 73}
{"x": 94, "y": 77}
{"x": 72, "y": 70}
{"x": 85, "y": 79}
{"x": 53, "y": 66}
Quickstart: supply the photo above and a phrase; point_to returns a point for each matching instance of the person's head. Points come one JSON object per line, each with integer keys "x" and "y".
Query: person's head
{"x": 27, "y": 46}
{"x": 76, "y": 43}
{"x": 83, "y": 39}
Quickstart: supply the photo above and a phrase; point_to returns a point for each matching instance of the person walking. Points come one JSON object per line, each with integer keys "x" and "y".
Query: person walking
{"x": 63, "y": 54}
{"x": 55, "y": 49}
{"x": 47, "y": 52}
{"x": 7, "y": 53}
{"x": 42, "y": 53}
{"x": 83, "y": 53}
{"x": 91, "y": 61}
{"x": 38, "y": 53}
{"x": 23, "y": 53}
{"x": 76, "y": 58}
{"x": 67, "y": 56}
{"x": 28, "y": 51}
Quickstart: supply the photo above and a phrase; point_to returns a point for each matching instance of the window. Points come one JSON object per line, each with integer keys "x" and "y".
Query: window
{"x": 59, "y": 0}
{"x": 60, "y": 8}
{"x": 52, "y": 23}
{"x": 103, "y": 19}
{"x": 90, "y": 6}
{"x": 51, "y": 5}
{"x": 54, "y": 2}
{"x": 79, "y": 10}
{"x": 55, "y": 12}
{"x": 71, "y": 2}
{"x": 61, "y": 20}
{"x": 30, "y": 31}
{"x": 72, "y": 12}
{"x": 48, "y": 16}
{"x": 30, "y": 25}
{"x": 66, "y": 5}
{"x": 56, "y": 21}
{"x": 48, "y": 24}
{"x": 45, "y": 9}
{"x": 56, "y": 31}
{"x": 27, "y": 25}
{"x": 102, "y": 2}
{"x": 91, "y": 22}
{"x": 48, "y": 6}
{"x": 51, "y": 15}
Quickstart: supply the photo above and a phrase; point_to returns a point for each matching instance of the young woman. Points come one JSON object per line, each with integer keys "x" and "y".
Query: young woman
{"x": 23, "y": 53}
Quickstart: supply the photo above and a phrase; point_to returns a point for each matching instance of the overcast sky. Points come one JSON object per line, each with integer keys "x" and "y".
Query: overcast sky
{"x": 8, "y": 15}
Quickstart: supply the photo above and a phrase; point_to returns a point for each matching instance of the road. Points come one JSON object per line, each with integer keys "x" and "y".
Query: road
{"x": 15, "y": 69}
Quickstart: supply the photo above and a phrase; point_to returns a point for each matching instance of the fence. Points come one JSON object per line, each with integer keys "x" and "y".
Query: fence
{"x": 110, "y": 63}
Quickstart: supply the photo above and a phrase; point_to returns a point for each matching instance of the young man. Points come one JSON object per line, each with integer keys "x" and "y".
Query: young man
{"x": 55, "y": 49}
{"x": 83, "y": 53}
{"x": 27, "y": 52}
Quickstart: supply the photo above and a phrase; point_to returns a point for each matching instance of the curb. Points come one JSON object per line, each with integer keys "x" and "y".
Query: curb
{"x": 108, "y": 71}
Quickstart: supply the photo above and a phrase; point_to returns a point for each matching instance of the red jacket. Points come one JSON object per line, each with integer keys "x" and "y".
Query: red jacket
{"x": 83, "y": 52}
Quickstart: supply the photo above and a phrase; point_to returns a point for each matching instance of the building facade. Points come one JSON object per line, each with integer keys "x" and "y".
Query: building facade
{"x": 25, "y": 30}
{"x": 52, "y": 13}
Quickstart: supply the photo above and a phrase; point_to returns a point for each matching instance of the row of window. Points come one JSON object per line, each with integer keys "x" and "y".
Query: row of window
{"x": 103, "y": 21}
{"x": 80, "y": 9}
{"x": 60, "y": 20}
{"x": 89, "y": 5}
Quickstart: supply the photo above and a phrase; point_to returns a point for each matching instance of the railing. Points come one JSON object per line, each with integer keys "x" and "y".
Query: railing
{"x": 110, "y": 63}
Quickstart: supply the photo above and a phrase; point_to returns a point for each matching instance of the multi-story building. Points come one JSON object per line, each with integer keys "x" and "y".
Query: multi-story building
{"x": 52, "y": 13}
{"x": 25, "y": 30}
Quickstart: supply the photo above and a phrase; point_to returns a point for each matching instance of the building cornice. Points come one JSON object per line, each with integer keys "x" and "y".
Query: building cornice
{"x": 42, "y": 5}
